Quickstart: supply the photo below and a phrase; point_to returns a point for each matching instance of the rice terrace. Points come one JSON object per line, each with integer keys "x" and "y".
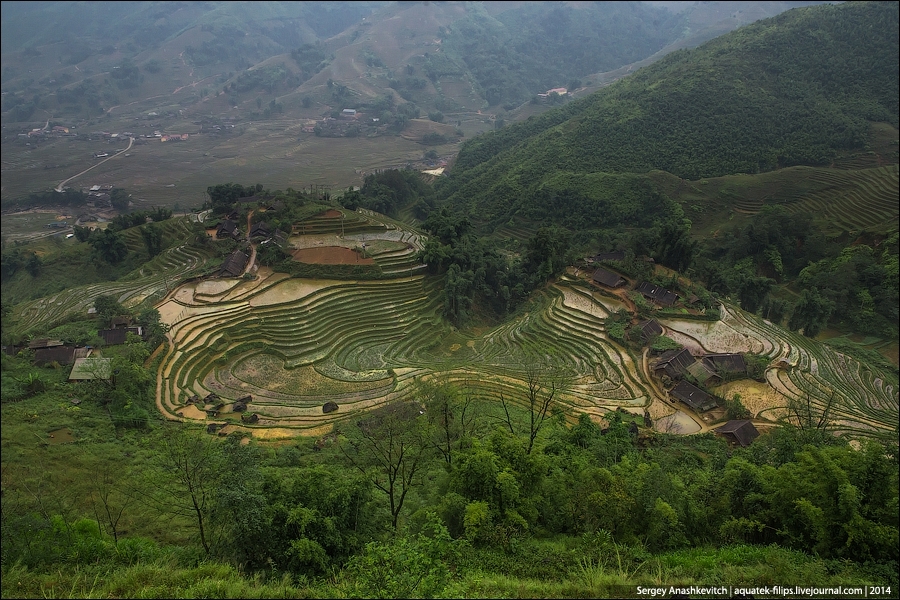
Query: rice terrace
{"x": 266, "y": 353}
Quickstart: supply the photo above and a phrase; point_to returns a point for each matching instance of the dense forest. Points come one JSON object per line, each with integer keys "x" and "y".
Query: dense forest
{"x": 769, "y": 95}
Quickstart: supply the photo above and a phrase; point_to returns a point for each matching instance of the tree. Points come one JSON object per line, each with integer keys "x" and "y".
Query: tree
{"x": 451, "y": 419}
{"x": 119, "y": 199}
{"x": 108, "y": 499}
{"x": 390, "y": 448}
{"x": 542, "y": 384}
{"x": 152, "y": 239}
{"x": 811, "y": 313}
{"x": 186, "y": 476}
{"x": 108, "y": 307}
{"x": 109, "y": 246}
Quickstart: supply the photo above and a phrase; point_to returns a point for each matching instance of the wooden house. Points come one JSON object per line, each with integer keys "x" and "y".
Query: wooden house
{"x": 741, "y": 432}
{"x": 607, "y": 278}
{"x": 117, "y": 336}
{"x": 693, "y": 396}
{"x": 649, "y": 329}
{"x": 657, "y": 294}
{"x": 228, "y": 229}
{"x": 674, "y": 363}
{"x": 234, "y": 264}
{"x": 727, "y": 363}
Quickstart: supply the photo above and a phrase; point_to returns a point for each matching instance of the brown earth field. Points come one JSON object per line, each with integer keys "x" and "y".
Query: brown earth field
{"x": 331, "y": 255}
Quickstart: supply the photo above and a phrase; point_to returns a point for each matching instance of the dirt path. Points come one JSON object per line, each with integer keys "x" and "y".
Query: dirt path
{"x": 59, "y": 188}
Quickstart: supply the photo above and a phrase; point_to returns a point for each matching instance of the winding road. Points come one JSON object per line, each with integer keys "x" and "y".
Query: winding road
{"x": 59, "y": 188}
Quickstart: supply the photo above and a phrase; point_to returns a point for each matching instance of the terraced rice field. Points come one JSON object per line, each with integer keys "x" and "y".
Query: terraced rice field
{"x": 295, "y": 344}
{"x": 854, "y": 200}
{"x": 864, "y": 401}
{"x": 152, "y": 281}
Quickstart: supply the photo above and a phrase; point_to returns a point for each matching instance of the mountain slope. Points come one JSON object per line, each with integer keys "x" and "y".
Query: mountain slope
{"x": 799, "y": 88}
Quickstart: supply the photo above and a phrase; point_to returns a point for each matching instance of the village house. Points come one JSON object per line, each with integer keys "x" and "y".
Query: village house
{"x": 90, "y": 368}
{"x": 657, "y": 294}
{"x": 260, "y": 230}
{"x": 607, "y": 278}
{"x": 649, "y": 329}
{"x": 674, "y": 363}
{"x": 741, "y": 432}
{"x": 693, "y": 396}
{"x": 61, "y": 355}
{"x": 43, "y": 343}
{"x": 118, "y": 336}
{"x": 234, "y": 265}
{"x": 228, "y": 229}
{"x": 703, "y": 373}
{"x": 727, "y": 363}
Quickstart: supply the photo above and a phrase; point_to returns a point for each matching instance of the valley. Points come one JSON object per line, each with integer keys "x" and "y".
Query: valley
{"x": 448, "y": 299}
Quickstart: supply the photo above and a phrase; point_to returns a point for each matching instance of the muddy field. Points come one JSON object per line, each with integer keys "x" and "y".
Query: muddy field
{"x": 331, "y": 255}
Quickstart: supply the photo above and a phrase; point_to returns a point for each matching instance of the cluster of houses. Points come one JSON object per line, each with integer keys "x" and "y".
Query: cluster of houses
{"x": 679, "y": 365}
{"x": 53, "y": 132}
{"x": 85, "y": 366}
{"x": 236, "y": 262}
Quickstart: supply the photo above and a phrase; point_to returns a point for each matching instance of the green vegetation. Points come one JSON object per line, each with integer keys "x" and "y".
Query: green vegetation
{"x": 660, "y": 118}
{"x": 490, "y": 479}
{"x": 616, "y": 169}
{"x": 171, "y": 510}
{"x": 528, "y": 49}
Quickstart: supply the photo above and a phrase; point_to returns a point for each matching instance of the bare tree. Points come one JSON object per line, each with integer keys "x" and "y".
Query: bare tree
{"x": 186, "y": 477}
{"x": 109, "y": 501}
{"x": 810, "y": 417}
{"x": 541, "y": 391}
{"x": 450, "y": 416}
{"x": 390, "y": 450}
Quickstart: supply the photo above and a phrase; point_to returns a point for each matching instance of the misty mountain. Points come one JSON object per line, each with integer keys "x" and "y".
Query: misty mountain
{"x": 77, "y": 59}
{"x": 799, "y": 89}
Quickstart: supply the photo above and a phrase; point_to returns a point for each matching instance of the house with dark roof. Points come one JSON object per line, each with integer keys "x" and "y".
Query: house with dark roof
{"x": 279, "y": 237}
{"x": 234, "y": 265}
{"x": 657, "y": 294}
{"x": 117, "y": 336}
{"x": 617, "y": 256}
{"x": 63, "y": 355}
{"x": 693, "y": 396}
{"x": 674, "y": 363}
{"x": 228, "y": 229}
{"x": 649, "y": 329}
{"x": 727, "y": 363}
{"x": 44, "y": 343}
{"x": 260, "y": 230}
{"x": 741, "y": 432}
{"x": 607, "y": 278}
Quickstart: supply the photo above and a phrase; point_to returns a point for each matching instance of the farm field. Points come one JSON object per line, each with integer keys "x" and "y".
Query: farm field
{"x": 163, "y": 174}
{"x": 294, "y": 345}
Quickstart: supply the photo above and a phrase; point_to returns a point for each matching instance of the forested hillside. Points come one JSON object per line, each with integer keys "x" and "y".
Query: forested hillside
{"x": 799, "y": 88}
